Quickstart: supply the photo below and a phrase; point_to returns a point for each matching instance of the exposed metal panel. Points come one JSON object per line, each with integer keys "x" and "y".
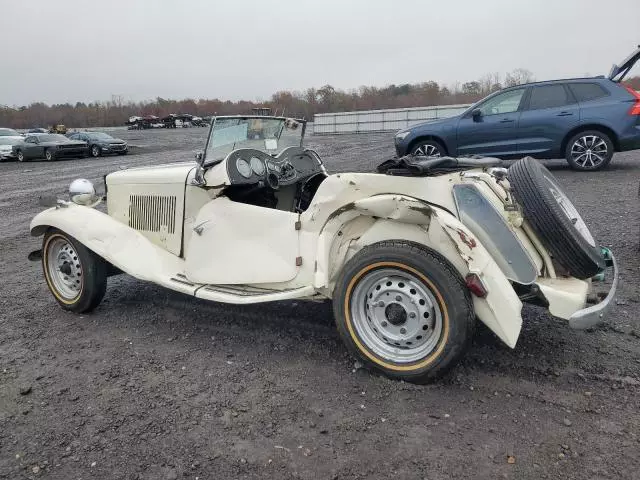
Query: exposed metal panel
{"x": 380, "y": 120}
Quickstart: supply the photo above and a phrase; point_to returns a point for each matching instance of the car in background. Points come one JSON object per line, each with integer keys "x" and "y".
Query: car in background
{"x": 100, "y": 143}
{"x": 37, "y": 130}
{"x": 50, "y": 146}
{"x": 9, "y": 132}
{"x": 6, "y": 146}
{"x": 584, "y": 120}
{"x": 61, "y": 129}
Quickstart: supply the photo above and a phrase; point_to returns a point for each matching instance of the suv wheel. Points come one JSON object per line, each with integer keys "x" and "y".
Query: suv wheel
{"x": 589, "y": 150}
{"x": 428, "y": 148}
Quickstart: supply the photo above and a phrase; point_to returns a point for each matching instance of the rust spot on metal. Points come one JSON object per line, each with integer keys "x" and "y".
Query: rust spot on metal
{"x": 425, "y": 210}
{"x": 468, "y": 241}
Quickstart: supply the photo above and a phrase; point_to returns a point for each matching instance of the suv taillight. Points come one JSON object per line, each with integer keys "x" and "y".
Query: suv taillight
{"x": 635, "y": 109}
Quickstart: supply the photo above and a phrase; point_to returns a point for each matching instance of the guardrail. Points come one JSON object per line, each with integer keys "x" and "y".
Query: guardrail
{"x": 368, "y": 121}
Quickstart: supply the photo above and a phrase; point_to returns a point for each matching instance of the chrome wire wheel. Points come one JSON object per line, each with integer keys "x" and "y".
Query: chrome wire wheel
{"x": 396, "y": 315}
{"x": 64, "y": 268}
{"x": 427, "y": 150}
{"x": 589, "y": 151}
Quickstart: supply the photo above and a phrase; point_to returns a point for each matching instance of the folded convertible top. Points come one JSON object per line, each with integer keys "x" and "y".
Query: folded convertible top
{"x": 420, "y": 166}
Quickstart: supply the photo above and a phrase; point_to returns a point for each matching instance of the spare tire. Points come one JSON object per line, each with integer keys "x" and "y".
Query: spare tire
{"x": 554, "y": 219}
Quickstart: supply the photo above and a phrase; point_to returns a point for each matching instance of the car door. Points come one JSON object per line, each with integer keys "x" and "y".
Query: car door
{"x": 549, "y": 113}
{"x": 30, "y": 149}
{"x": 236, "y": 243}
{"x": 491, "y": 128}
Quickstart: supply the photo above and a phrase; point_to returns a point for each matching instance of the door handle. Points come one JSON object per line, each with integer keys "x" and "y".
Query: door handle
{"x": 506, "y": 120}
{"x": 564, "y": 114}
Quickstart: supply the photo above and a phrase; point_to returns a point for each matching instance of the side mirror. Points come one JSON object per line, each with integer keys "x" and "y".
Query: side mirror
{"x": 476, "y": 113}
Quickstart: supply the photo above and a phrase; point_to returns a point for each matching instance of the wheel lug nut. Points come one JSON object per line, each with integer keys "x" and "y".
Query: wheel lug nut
{"x": 381, "y": 303}
{"x": 412, "y": 314}
{"x": 398, "y": 298}
{"x": 403, "y": 330}
{"x": 384, "y": 324}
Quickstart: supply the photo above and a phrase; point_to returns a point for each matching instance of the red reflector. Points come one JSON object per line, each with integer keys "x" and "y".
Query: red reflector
{"x": 635, "y": 109}
{"x": 475, "y": 285}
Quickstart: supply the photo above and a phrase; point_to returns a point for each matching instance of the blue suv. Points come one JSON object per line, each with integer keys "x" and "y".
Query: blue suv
{"x": 583, "y": 120}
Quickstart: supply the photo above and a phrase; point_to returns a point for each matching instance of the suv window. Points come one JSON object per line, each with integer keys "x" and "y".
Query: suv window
{"x": 549, "y": 96}
{"x": 585, "y": 92}
{"x": 506, "y": 102}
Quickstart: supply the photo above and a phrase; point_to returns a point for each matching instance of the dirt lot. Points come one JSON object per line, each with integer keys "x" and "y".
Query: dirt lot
{"x": 158, "y": 385}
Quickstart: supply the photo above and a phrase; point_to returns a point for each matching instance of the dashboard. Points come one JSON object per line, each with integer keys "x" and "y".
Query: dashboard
{"x": 247, "y": 166}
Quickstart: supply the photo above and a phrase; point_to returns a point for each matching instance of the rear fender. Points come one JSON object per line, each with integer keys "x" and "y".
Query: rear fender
{"x": 117, "y": 243}
{"x": 394, "y": 217}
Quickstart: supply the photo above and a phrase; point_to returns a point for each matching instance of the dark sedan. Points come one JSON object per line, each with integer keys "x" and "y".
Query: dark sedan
{"x": 50, "y": 147}
{"x": 101, "y": 143}
{"x": 583, "y": 120}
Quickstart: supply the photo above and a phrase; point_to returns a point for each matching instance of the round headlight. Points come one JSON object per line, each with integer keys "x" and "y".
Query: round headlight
{"x": 82, "y": 192}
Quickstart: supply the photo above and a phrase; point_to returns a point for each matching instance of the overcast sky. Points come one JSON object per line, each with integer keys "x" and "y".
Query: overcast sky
{"x": 85, "y": 50}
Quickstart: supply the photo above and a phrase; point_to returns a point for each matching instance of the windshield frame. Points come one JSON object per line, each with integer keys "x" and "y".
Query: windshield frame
{"x": 205, "y": 164}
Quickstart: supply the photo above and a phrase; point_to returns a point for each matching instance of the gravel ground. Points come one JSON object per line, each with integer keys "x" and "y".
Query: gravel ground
{"x": 158, "y": 385}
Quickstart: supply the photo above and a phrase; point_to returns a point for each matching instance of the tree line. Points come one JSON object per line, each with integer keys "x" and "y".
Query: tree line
{"x": 300, "y": 104}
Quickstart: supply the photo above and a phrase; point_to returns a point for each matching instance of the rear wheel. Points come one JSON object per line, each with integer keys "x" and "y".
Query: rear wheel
{"x": 48, "y": 155}
{"x": 76, "y": 276}
{"x": 95, "y": 151}
{"x": 589, "y": 150}
{"x": 428, "y": 148}
{"x": 403, "y": 310}
{"x": 20, "y": 155}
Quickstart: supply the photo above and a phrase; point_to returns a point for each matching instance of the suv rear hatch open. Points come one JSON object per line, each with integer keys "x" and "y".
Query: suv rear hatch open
{"x": 618, "y": 72}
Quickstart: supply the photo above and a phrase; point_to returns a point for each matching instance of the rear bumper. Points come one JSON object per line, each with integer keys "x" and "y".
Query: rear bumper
{"x": 7, "y": 156}
{"x": 630, "y": 142}
{"x": 595, "y": 314}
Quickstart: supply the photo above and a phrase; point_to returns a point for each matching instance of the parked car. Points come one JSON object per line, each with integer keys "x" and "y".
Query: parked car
{"x": 37, "y": 130}
{"x": 584, "y": 120}
{"x": 409, "y": 261}
{"x": 49, "y": 146}
{"x": 6, "y": 146}
{"x": 9, "y": 132}
{"x": 100, "y": 143}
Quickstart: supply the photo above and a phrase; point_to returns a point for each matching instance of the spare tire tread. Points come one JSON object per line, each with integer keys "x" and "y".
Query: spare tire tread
{"x": 554, "y": 228}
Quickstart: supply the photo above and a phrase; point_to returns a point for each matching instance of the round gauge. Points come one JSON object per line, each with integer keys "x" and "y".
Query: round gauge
{"x": 257, "y": 166}
{"x": 243, "y": 167}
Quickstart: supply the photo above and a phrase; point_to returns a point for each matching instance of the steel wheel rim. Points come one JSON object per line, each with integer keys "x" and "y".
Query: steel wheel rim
{"x": 589, "y": 151}
{"x": 64, "y": 268}
{"x": 570, "y": 211}
{"x": 396, "y": 315}
{"x": 427, "y": 150}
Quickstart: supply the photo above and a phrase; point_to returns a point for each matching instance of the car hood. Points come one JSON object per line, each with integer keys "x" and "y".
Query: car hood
{"x": 111, "y": 141}
{"x": 159, "y": 174}
{"x": 434, "y": 123}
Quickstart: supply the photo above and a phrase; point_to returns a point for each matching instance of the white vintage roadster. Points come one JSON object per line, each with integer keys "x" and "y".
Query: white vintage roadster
{"x": 410, "y": 255}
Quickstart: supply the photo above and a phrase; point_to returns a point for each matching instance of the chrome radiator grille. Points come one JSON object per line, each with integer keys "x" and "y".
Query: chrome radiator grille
{"x": 149, "y": 213}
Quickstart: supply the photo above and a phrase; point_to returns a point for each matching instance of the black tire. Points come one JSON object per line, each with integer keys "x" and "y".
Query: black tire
{"x": 92, "y": 282}
{"x": 431, "y": 148}
{"x": 437, "y": 276}
{"x": 581, "y": 142}
{"x": 49, "y": 155}
{"x": 95, "y": 151}
{"x": 533, "y": 186}
{"x": 20, "y": 156}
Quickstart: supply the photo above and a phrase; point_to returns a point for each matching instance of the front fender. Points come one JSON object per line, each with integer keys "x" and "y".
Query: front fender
{"x": 120, "y": 245}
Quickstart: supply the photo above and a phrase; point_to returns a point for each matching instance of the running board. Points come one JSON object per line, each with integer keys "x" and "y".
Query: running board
{"x": 245, "y": 294}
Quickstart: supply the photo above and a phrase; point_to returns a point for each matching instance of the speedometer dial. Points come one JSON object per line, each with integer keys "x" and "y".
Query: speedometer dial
{"x": 257, "y": 166}
{"x": 243, "y": 167}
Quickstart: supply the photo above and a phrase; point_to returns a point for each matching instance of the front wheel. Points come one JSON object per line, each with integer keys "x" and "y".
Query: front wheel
{"x": 95, "y": 151}
{"x": 589, "y": 150}
{"x": 403, "y": 310}
{"x": 76, "y": 276}
{"x": 20, "y": 156}
{"x": 428, "y": 148}
{"x": 48, "y": 155}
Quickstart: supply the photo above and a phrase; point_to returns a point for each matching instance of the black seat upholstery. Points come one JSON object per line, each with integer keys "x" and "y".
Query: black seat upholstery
{"x": 424, "y": 166}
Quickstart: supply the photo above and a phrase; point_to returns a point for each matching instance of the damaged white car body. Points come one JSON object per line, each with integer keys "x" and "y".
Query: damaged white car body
{"x": 410, "y": 257}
